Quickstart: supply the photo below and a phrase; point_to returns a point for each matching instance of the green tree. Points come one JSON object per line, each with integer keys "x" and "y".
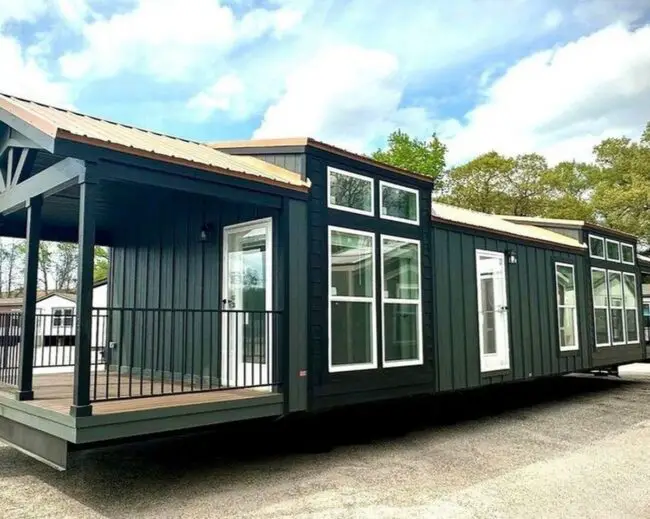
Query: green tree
{"x": 525, "y": 188}
{"x": 569, "y": 190}
{"x": 621, "y": 194}
{"x": 413, "y": 154}
{"x": 101, "y": 263}
{"x": 481, "y": 184}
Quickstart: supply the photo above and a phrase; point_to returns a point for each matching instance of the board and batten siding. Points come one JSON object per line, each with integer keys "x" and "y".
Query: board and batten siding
{"x": 159, "y": 262}
{"x": 533, "y": 327}
{"x": 342, "y": 388}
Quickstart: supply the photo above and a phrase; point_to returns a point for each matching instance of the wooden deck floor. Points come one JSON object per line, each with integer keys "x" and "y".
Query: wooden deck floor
{"x": 53, "y": 391}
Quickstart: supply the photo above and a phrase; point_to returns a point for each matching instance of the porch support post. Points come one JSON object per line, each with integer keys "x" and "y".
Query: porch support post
{"x": 27, "y": 338}
{"x": 296, "y": 305}
{"x": 81, "y": 392}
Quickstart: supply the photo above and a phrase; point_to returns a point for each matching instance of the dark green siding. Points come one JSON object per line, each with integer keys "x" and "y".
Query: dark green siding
{"x": 534, "y": 348}
{"x": 341, "y": 388}
{"x": 159, "y": 262}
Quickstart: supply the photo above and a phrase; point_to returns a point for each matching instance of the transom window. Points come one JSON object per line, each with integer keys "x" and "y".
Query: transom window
{"x": 401, "y": 299}
{"x": 597, "y": 247}
{"x": 399, "y": 203}
{"x": 350, "y": 192}
{"x": 613, "y": 250}
{"x": 566, "y": 306}
{"x": 352, "y": 315}
{"x": 616, "y": 314}
{"x": 627, "y": 253}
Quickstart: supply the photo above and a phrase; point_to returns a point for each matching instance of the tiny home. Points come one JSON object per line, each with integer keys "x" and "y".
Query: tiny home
{"x": 268, "y": 278}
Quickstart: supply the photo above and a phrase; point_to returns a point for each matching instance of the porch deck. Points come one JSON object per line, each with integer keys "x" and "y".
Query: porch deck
{"x": 53, "y": 391}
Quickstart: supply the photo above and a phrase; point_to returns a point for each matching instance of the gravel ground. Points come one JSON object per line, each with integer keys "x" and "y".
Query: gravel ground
{"x": 570, "y": 447}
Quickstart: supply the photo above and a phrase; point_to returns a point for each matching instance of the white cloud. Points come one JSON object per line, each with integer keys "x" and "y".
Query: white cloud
{"x": 553, "y": 19}
{"x": 226, "y": 94}
{"x": 346, "y": 94}
{"x": 169, "y": 39}
{"x": 23, "y": 76}
{"x": 21, "y": 10}
{"x": 561, "y": 102}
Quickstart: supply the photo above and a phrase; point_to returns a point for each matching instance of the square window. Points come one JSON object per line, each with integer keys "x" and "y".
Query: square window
{"x": 627, "y": 253}
{"x": 399, "y": 203}
{"x": 613, "y": 250}
{"x": 350, "y": 192}
{"x": 596, "y": 247}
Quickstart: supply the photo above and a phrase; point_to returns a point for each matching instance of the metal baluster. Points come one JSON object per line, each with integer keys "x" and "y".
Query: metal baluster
{"x": 171, "y": 351}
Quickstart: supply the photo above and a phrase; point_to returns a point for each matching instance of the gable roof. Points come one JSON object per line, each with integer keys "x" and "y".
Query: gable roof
{"x": 64, "y": 295}
{"x": 58, "y": 123}
{"x": 498, "y": 225}
{"x": 293, "y": 142}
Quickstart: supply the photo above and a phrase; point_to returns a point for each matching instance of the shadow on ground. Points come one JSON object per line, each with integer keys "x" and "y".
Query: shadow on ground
{"x": 115, "y": 478}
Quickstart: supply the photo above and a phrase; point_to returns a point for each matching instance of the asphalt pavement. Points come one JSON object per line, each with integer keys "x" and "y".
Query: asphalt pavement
{"x": 566, "y": 447}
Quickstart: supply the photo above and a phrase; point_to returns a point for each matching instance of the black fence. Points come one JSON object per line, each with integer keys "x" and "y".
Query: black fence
{"x": 10, "y": 328}
{"x": 154, "y": 352}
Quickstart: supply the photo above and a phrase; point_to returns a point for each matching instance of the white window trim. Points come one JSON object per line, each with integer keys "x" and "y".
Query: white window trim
{"x": 352, "y": 299}
{"x": 627, "y": 246}
{"x": 479, "y": 294}
{"x": 600, "y": 307}
{"x": 382, "y": 185}
{"x": 575, "y": 347}
{"x": 370, "y": 180}
{"x": 415, "y": 302}
{"x": 597, "y": 238}
{"x": 636, "y": 309}
{"x": 618, "y": 246}
{"x": 622, "y": 308}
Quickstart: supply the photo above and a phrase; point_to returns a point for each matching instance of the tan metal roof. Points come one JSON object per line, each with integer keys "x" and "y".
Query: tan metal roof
{"x": 499, "y": 225}
{"x": 65, "y": 124}
{"x": 309, "y": 141}
{"x": 557, "y": 222}
{"x": 643, "y": 259}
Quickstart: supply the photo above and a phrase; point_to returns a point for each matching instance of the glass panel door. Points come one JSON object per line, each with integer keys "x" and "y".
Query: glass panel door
{"x": 492, "y": 311}
{"x": 247, "y": 299}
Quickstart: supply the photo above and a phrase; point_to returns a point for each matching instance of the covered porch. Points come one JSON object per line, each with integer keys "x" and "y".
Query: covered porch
{"x": 204, "y": 316}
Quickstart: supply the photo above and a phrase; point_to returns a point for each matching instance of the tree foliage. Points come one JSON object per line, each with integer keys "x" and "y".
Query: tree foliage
{"x": 613, "y": 190}
{"x": 413, "y": 154}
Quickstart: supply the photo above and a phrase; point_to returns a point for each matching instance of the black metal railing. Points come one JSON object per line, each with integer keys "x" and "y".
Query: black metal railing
{"x": 152, "y": 352}
{"x": 10, "y": 328}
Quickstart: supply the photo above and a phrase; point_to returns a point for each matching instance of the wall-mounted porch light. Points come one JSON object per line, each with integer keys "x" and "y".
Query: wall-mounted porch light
{"x": 206, "y": 232}
{"x": 512, "y": 257}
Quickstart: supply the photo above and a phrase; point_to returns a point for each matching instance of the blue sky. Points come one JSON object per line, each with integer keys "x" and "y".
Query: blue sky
{"x": 552, "y": 76}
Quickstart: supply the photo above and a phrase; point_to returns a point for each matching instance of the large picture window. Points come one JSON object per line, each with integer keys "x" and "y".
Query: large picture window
{"x": 352, "y": 322}
{"x": 601, "y": 306}
{"x": 350, "y": 192}
{"x": 566, "y": 306}
{"x": 631, "y": 307}
{"x": 399, "y": 203}
{"x": 616, "y": 312}
{"x": 402, "y": 321}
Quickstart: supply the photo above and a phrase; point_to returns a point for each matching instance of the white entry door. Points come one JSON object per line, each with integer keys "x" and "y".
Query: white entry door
{"x": 247, "y": 299}
{"x": 492, "y": 310}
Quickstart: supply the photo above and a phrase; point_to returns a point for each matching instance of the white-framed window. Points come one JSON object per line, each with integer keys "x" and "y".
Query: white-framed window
{"x": 596, "y": 247}
{"x": 601, "y": 306}
{"x": 631, "y": 308}
{"x": 62, "y": 317}
{"x": 616, "y": 314}
{"x": 352, "y": 301}
{"x": 399, "y": 203}
{"x": 350, "y": 192}
{"x": 567, "y": 311}
{"x": 613, "y": 250}
{"x": 401, "y": 301}
{"x": 627, "y": 253}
